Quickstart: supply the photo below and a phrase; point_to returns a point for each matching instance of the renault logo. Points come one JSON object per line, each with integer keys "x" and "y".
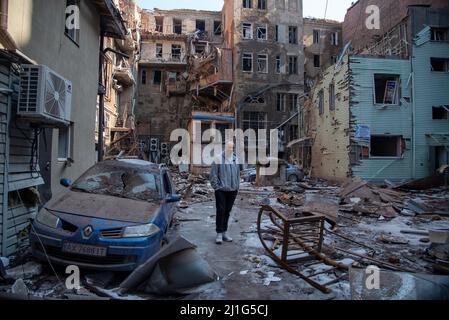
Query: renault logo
{"x": 88, "y": 231}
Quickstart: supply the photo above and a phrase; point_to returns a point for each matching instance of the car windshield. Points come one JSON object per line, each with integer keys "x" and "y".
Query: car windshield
{"x": 129, "y": 183}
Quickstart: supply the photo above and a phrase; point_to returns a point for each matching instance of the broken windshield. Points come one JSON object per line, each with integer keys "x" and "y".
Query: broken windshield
{"x": 124, "y": 182}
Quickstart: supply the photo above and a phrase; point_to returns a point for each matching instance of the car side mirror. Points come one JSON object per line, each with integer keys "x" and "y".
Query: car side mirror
{"x": 65, "y": 182}
{"x": 173, "y": 198}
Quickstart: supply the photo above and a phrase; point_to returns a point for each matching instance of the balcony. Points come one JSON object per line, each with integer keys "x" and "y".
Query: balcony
{"x": 123, "y": 74}
{"x": 174, "y": 88}
{"x": 220, "y": 77}
{"x": 174, "y": 59}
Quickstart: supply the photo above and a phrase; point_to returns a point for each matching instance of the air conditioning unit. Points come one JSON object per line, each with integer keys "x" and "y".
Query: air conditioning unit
{"x": 45, "y": 97}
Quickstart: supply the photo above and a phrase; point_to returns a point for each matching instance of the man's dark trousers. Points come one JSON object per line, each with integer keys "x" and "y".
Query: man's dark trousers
{"x": 224, "y": 202}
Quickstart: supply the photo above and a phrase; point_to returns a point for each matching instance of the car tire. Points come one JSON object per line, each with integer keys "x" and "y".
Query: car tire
{"x": 293, "y": 178}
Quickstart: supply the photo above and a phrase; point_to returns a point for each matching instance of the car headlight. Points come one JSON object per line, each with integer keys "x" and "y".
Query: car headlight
{"x": 145, "y": 230}
{"x": 48, "y": 219}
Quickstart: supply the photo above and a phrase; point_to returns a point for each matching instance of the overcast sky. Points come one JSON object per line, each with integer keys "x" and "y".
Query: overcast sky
{"x": 314, "y": 8}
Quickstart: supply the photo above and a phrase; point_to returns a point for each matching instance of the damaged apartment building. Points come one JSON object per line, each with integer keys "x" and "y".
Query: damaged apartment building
{"x": 381, "y": 112}
{"x": 322, "y": 46}
{"x": 268, "y": 55}
{"x": 242, "y": 67}
{"x": 180, "y": 73}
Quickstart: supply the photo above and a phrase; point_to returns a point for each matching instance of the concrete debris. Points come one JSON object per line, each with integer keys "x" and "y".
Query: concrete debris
{"x": 439, "y": 236}
{"x": 398, "y": 286}
{"x": 270, "y": 278}
{"x": 19, "y": 288}
{"x": 25, "y": 271}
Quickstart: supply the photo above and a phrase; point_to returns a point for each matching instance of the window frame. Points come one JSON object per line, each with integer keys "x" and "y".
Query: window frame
{"x": 397, "y": 91}
{"x": 174, "y": 26}
{"x": 332, "y": 97}
{"x": 400, "y": 141}
{"x": 68, "y": 145}
{"x": 295, "y": 33}
{"x": 259, "y": 55}
{"x": 289, "y": 57}
{"x": 247, "y": 4}
{"x": 266, "y": 32}
{"x": 247, "y": 26}
{"x": 252, "y": 61}
{"x": 316, "y": 40}
{"x": 143, "y": 77}
{"x": 281, "y": 102}
{"x": 260, "y": 7}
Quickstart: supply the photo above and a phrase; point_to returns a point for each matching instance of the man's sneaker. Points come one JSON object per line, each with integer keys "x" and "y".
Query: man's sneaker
{"x": 219, "y": 239}
{"x": 226, "y": 238}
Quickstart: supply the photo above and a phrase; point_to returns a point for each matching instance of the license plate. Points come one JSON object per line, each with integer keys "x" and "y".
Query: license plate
{"x": 84, "y": 249}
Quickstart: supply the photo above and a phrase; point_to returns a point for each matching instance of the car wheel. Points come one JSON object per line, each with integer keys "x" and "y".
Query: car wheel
{"x": 293, "y": 178}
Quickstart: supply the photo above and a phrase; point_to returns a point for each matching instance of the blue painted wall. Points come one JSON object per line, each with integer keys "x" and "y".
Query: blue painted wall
{"x": 392, "y": 120}
{"x": 430, "y": 89}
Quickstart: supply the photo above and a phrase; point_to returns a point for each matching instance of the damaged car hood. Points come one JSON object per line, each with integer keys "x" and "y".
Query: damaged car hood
{"x": 104, "y": 207}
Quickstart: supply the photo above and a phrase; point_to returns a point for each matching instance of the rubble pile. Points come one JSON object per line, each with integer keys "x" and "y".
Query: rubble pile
{"x": 192, "y": 188}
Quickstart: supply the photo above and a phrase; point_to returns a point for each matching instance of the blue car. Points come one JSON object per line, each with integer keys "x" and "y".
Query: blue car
{"x": 114, "y": 217}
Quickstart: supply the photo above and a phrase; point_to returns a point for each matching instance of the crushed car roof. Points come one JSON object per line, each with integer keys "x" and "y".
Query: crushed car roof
{"x": 131, "y": 163}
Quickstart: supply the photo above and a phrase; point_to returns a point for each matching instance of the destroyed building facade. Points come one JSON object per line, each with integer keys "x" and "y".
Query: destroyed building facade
{"x": 385, "y": 116}
{"x": 322, "y": 46}
{"x": 268, "y": 59}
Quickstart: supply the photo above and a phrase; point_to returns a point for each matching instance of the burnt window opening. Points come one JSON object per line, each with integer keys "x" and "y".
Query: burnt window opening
{"x": 218, "y": 29}
{"x": 386, "y": 146}
{"x": 262, "y": 33}
{"x": 440, "y": 113}
{"x": 439, "y": 64}
{"x": 262, "y": 63}
{"x": 247, "y": 30}
{"x": 316, "y": 36}
{"x": 321, "y": 102}
{"x": 176, "y": 52}
{"x": 157, "y": 77}
{"x": 159, "y": 51}
{"x": 159, "y": 24}
{"x": 386, "y": 89}
{"x": 316, "y": 61}
{"x": 293, "y": 65}
{"x": 201, "y": 25}
{"x": 439, "y": 34}
{"x": 293, "y": 35}
{"x": 262, "y": 4}
{"x": 247, "y": 4}
{"x": 144, "y": 77}
{"x": 331, "y": 97}
{"x": 334, "y": 39}
{"x": 247, "y": 62}
{"x": 278, "y": 64}
{"x": 177, "y": 26}
{"x": 280, "y": 102}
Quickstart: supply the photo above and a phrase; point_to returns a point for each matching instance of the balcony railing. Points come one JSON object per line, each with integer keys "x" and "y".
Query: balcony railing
{"x": 223, "y": 70}
{"x": 174, "y": 58}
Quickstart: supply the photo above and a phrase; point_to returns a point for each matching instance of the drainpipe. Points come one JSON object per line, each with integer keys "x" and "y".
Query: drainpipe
{"x": 101, "y": 92}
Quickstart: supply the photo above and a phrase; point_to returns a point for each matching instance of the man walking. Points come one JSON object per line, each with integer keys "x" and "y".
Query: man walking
{"x": 225, "y": 179}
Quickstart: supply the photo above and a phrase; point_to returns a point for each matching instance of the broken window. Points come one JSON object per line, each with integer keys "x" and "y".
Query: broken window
{"x": 262, "y": 32}
{"x": 440, "y": 113}
{"x": 144, "y": 77}
{"x": 386, "y": 146}
{"x": 254, "y": 120}
{"x": 201, "y": 25}
{"x": 280, "y": 102}
{"x": 74, "y": 32}
{"x": 316, "y": 61}
{"x": 247, "y": 4}
{"x": 157, "y": 77}
{"x": 293, "y": 132}
{"x": 334, "y": 38}
{"x": 293, "y": 102}
{"x": 247, "y": 30}
{"x": 262, "y": 63}
{"x": 321, "y": 102}
{"x": 255, "y": 100}
{"x": 292, "y": 65}
{"x": 247, "y": 62}
{"x": 262, "y": 4}
{"x": 316, "y": 36}
{"x": 439, "y": 64}
{"x": 217, "y": 28}
{"x": 177, "y": 26}
{"x": 278, "y": 64}
{"x": 159, "y": 24}
{"x": 159, "y": 51}
{"x": 331, "y": 97}
{"x": 176, "y": 52}
{"x": 293, "y": 35}
{"x": 386, "y": 88}
{"x": 439, "y": 34}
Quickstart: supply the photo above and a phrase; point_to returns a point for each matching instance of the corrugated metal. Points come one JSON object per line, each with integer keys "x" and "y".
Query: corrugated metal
{"x": 431, "y": 89}
{"x": 393, "y": 120}
{"x": 17, "y": 170}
